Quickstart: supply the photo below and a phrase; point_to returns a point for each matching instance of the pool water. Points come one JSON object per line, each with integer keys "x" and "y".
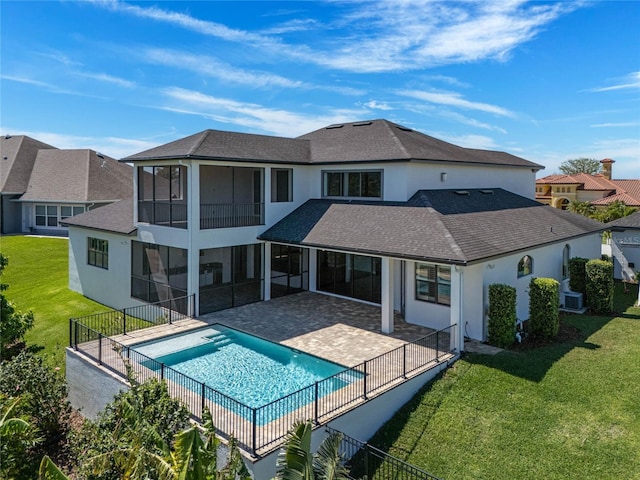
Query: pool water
{"x": 246, "y": 368}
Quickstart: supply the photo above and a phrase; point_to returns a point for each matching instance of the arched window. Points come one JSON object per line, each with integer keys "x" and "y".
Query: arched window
{"x": 525, "y": 266}
{"x": 564, "y": 203}
{"x": 566, "y": 255}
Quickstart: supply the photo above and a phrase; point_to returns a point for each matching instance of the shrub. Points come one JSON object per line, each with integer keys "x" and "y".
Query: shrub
{"x": 577, "y": 276}
{"x": 600, "y": 286}
{"x": 544, "y": 301}
{"x": 502, "y": 315}
{"x": 45, "y": 389}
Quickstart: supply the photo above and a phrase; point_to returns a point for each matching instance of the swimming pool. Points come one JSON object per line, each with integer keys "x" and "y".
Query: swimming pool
{"x": 246, "y": 368}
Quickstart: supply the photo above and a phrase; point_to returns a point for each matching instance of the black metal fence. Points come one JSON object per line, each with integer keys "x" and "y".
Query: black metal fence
{"x": 366, "y": 461}
{"x": 118, "y": 322}
{"x": 259, "y": 429}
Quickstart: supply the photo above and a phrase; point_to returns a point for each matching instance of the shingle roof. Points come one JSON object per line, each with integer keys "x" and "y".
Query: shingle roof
{"x": 435, "y": 225}
{"x": 368, "y": 141}
{"x": 115, "y": 217}
{"x": 220, "y": 145}
{"x": 17, "y": 156}
{"x": 630, "y": 221}
{"x": 78, "y": 176}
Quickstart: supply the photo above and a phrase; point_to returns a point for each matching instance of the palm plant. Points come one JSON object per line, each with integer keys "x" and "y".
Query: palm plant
{"x": 17, "y": 436}
{"x": 296, "y": 462}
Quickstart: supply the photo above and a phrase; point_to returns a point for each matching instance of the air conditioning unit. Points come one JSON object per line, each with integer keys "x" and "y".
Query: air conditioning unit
{"x": 573, "y": 300}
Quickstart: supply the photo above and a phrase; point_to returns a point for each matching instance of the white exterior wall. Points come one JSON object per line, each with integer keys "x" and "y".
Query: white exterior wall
{"x": 425, "y": 176}
{"x": 626, "y": 250}
{"x": 420, "y": 312}
{"x": 112, "y": 286}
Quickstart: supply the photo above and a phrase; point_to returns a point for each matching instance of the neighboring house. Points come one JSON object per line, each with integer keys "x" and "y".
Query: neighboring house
{"x": 372, "y": 211}
{"x": 17, "y": 156}
{"x": 625, "y": 246}
{"x": 46, "y": 185}
{"x": 600, "y": 190}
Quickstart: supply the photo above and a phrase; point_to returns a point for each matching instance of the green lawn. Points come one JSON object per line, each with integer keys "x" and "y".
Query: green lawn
{"x": 38, "y": 280}
{"x": 565, "y": 411}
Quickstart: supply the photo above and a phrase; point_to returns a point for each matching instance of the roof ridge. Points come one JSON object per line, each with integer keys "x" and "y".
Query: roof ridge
{"x": 394, "y": 135}
{"x": 204, "y": 134}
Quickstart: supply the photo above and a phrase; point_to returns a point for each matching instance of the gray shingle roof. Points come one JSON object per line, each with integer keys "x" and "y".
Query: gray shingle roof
{"x": 17, "y": 156}
{"x": 435, "y": 225}
{"x": 78, "y": 176}
{"x": 368, "y": 141}
{"x": 220, "y": 145}
{"x": 115, "y": 217}
{"x": 630, "y": 221}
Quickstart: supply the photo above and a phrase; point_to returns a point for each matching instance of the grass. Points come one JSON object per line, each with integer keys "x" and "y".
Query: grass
{"x": 38, "y": 279}
{"x": 563, "y": 411}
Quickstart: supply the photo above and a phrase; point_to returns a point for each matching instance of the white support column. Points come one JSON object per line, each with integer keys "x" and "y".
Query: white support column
{"x": 193, "y": 227}
{"x": 387, "y": 294}
{"x": 457, "y": 308}
{"x": 267, "y": 271}
{"x": 313, "y": 269}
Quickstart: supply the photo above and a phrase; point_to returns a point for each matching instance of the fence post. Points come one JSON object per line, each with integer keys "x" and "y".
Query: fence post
{"x": 253, "y": 434}
{"x": 404, "y": 361}
{"x": 124, "y": 321}
{"x": 71, "y": 332}
{"x": 75, "y": 345}
{"x": 99, "y": 348}
{"x": 365, "y": 381}
{"x": 315, "y": 416}
{"x": 437, "y": 345}
{"x": 203, "y": 401}
{"x": 162, "y": 371}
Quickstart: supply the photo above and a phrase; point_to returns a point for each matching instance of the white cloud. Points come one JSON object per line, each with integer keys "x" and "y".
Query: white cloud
{"x": 103, "y": 77}
{"x": 114, "y": 147}
{"x": 455, "y": 100}
{"x": 375, "y": 105}
{"x": 251, "y": 115}
{"x": 47, "y": 86}
{"x": 470, "y": 141}
{"x": 628, "y": 82}
{"x": 615, "y": 125}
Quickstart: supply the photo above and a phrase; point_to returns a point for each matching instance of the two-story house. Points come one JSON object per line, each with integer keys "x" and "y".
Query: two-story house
{"x": 371, "y": 211}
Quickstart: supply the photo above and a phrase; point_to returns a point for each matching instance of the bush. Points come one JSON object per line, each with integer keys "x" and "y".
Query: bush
{"x": 600, "y": 286}
{"x": 147, "y": 406}
{"x": 502, "y": 315}
{"x": 45, "y": 391}
{"x": 577, "y": 276}
{"x": 544, "y": 301}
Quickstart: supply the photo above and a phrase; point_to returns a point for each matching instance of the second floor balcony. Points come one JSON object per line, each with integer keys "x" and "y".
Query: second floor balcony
{"x": 229, "y": 215}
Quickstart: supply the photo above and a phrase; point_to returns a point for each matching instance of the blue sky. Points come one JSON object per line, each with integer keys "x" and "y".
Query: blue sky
{"x": 547, "y": 81}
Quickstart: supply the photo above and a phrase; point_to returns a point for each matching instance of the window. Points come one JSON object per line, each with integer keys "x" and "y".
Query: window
{"x": 525, "y": 266}
{"x": 46, "y": 215}
{"x": 67, "y": 211}
{"x": 98, "y": 252}
{"x": 433, "y": 283}
{"x": 281, "y": 185}
{"x": 356, "y": 184}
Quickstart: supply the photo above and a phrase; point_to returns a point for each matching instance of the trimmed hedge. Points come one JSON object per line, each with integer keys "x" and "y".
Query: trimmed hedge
{"x": 544, "y": 302}
{"x": 502, "y": 315}
{"x": 577, "y": 276}
{"x": 600, "y": 286}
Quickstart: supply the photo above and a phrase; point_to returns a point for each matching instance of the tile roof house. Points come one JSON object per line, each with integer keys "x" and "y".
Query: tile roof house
{"x": 43, "y": 185}
{"x": 371, "y": 211}
{"x": 599, "y": 189}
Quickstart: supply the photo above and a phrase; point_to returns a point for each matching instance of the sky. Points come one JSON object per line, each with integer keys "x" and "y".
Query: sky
{"x": 546, "y": 81}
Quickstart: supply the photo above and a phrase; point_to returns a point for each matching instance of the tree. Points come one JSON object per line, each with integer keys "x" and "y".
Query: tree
{"x": 580, "y": 165}
{"x": 17, "y": 438}
{"x": 582, "y": 208}
{"x": 13, "y": 324}
{"x": 614, "y": 211}
{"x": 296, "y": 462}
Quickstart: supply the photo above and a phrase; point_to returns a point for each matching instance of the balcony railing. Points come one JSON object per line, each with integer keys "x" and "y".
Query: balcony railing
{"x": 229, "y": 215}
{"x": 165, "y": 213}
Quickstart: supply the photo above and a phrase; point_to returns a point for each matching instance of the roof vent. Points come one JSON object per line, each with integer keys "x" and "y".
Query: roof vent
{"x": 99, "y": 155}
{"x": 7, "y": 136}
{"x": 5, "y": 158}
{"x": 406, "y": 129}
{"x": 462, "y": 192}
{"x": 486, "y": 192}
{"x": 361, "y": 124}
{"x": 335, "y": 125}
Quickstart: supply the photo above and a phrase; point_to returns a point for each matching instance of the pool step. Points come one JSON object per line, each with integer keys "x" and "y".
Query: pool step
{"x": 221, "y": 339}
